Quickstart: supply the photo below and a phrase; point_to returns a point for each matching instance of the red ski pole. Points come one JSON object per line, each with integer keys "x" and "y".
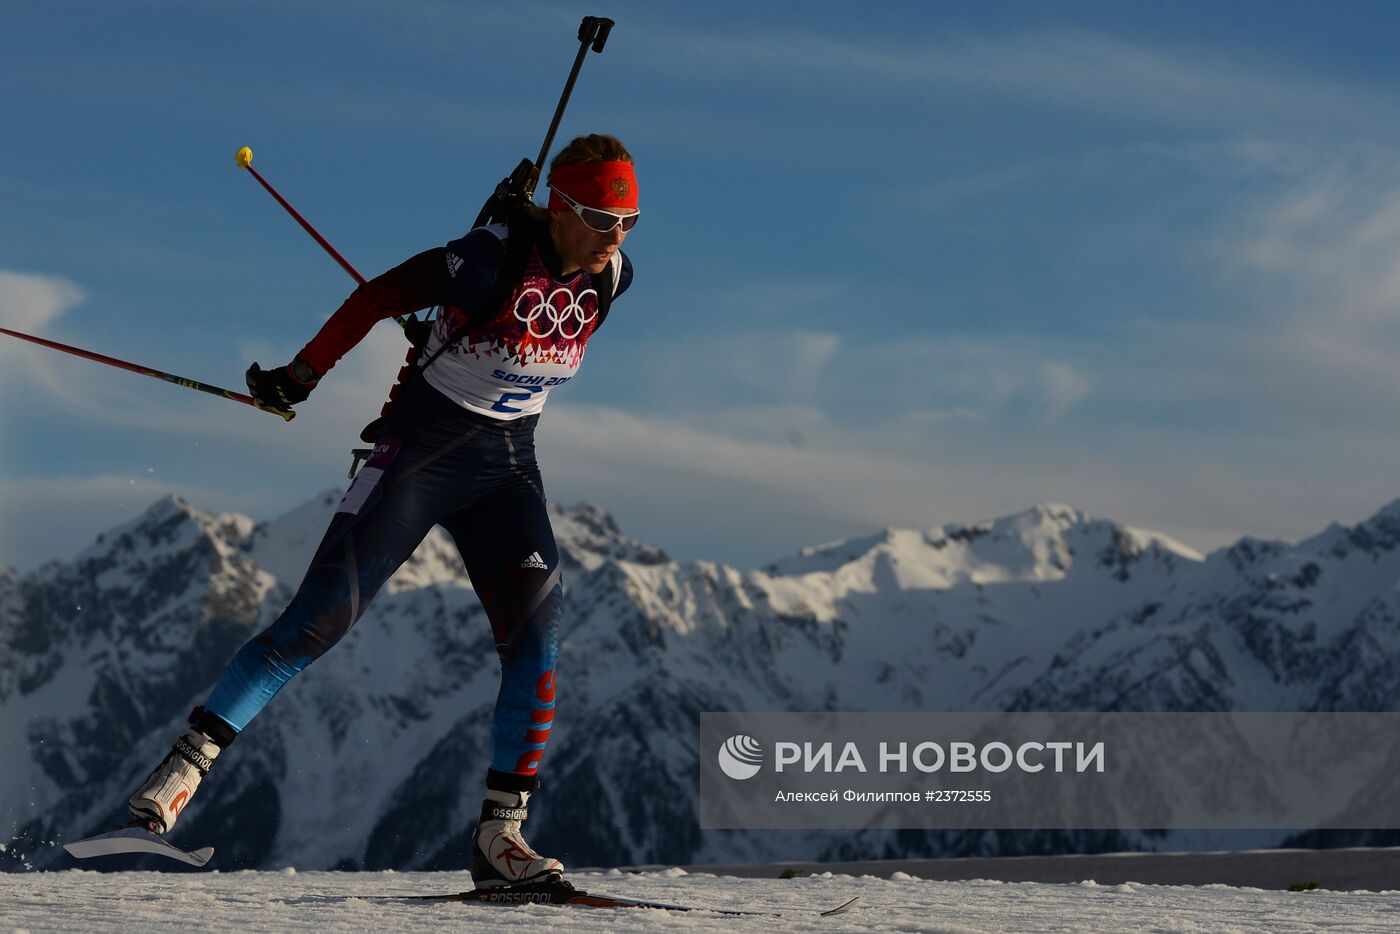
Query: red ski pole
{"x": 244, "y": 158}
{"x": 286, "y": 414}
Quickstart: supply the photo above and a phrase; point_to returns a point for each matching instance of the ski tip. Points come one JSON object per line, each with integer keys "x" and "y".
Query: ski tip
{"x": 244, "y": 157}
{"x": 128, "y": 840}
{"x": 840, "y": 909}
{"x": 201, "y": 856}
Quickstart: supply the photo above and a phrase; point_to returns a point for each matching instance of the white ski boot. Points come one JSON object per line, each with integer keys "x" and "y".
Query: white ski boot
{"x": 158, "y": 803}
{"x": 500, "y": 855}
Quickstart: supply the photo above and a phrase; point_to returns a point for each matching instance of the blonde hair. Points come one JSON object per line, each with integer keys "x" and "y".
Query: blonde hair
{"x": 596, "y": 147}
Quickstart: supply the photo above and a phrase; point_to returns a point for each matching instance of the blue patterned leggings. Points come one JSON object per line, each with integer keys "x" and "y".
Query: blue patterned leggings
{"x": 436, "y": 464}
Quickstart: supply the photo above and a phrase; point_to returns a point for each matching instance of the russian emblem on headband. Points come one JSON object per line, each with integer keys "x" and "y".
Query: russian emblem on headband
{"x": 619, "y": 187}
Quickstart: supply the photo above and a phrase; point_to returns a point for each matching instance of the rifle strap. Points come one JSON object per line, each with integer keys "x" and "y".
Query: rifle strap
{"x": 519, "y": 245}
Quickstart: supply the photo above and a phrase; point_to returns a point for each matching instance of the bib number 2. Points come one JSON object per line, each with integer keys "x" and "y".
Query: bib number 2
{"x": 503, "y": 404}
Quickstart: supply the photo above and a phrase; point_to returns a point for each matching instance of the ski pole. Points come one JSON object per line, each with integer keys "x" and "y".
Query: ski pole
{"x": 287, "y": 414}
{"x": 244, "y": 159}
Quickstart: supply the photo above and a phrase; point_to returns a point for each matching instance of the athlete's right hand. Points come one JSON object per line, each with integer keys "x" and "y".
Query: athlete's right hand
{"x": 279, "y": 387}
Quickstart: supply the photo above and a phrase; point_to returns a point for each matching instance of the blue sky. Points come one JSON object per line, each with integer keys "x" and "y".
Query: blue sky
{"x": 932, "y": 263}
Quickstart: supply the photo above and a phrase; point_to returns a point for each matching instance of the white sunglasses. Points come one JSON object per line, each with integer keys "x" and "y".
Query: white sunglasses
{"x": 601, "y": 221}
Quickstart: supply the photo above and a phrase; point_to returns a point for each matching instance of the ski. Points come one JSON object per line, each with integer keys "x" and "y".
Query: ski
{"x": 564, "y": 894}
{"x": 135, "y": 840}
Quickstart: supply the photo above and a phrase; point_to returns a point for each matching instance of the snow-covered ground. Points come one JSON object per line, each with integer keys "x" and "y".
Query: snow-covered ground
{"x": 328, "y": 902}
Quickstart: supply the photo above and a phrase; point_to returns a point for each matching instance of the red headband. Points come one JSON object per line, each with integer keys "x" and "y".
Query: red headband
{"x": 608, "y": 186}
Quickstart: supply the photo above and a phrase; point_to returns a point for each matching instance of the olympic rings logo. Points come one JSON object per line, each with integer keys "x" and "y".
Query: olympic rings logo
{"x": 569, "y": 321}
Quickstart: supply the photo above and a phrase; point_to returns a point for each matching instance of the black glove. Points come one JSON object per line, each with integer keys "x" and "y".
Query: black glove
{"x": 284, "y": 386}
{"x": 418, "y": 332}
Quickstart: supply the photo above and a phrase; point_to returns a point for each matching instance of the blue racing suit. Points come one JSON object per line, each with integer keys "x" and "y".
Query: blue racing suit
{"x": 456, "y": 450}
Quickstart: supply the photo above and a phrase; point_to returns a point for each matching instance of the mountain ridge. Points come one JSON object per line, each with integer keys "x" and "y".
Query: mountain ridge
{"x": 374, "y": 756}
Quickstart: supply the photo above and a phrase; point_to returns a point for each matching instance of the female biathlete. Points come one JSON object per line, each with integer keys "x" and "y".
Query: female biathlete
{"x": 456, "y": 449}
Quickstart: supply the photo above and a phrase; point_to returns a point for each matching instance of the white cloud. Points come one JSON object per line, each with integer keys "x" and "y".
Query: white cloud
{"x": 705, "y": 493}
{"x": 351, "y": 395}
{"x": 874, "y": 378}
{"x": 1332, "y": 238}
{"x": 700, "y": 492}
{"x": 1060, "y": 388}
{"x": 786, "y": 365}
{"x": 30, "y": 302}
{"x": 1005, "y": 379}
{"x": 219, "y": 454}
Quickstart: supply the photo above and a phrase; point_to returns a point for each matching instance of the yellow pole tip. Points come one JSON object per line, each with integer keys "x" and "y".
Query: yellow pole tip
{"x": 244, "y": 157}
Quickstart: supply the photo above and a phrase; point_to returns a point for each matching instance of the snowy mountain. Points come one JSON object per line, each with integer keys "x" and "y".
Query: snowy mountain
{"x": 373, "y": 758}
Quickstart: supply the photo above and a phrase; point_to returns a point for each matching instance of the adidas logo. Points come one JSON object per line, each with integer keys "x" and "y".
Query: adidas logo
{"x": 454, "y": 263}
{"x": 534, "y": 561}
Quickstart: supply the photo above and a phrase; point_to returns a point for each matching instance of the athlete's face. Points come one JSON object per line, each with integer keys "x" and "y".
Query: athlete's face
{"x": 580, "y": 246}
